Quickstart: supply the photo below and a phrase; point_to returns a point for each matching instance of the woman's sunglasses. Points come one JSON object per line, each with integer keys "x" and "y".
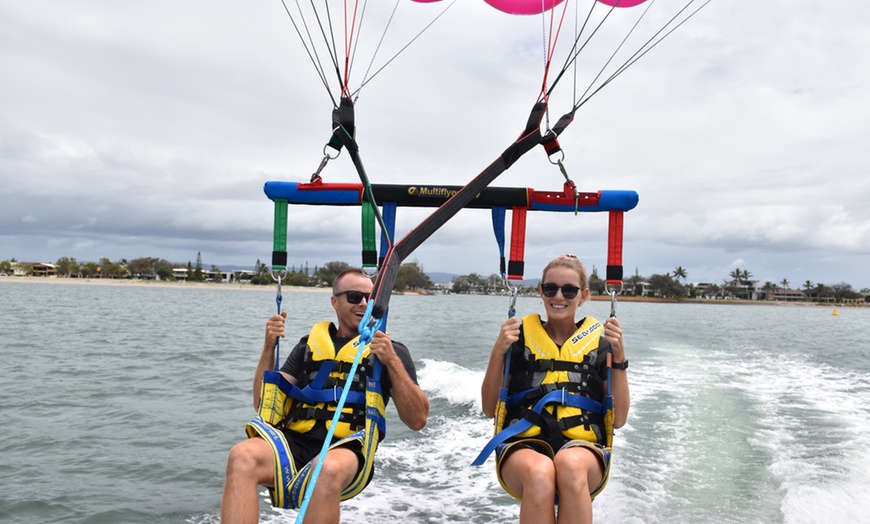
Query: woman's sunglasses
{"x": 355, "y": 297}
{"x": 568, "y": 291}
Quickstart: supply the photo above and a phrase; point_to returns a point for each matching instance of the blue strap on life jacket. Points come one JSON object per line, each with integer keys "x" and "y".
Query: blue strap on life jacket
{"x": 314, "y": 392}
{"x": 313, "y": 396}
{"x": 553, "y": 397}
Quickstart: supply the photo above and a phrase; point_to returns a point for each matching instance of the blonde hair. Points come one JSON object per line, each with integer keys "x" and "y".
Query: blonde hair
{"x": 571, "y": 262}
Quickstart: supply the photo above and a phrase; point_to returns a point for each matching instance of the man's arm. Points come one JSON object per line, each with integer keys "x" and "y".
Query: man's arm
{"x": 274, "y": 330}
{"x": 411, "y": 403}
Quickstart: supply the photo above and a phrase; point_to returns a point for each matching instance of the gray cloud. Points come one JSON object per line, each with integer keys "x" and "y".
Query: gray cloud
{"x": 148, "y": 129}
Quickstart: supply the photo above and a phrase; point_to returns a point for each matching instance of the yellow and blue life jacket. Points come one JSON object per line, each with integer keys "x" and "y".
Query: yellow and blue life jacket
{"x": 558, "y": 392}
{"x": 325, "y": 374}
{"x": 284, "y": 405}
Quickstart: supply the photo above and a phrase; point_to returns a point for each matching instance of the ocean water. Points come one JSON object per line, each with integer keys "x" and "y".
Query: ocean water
{"x": 120, "y": 404}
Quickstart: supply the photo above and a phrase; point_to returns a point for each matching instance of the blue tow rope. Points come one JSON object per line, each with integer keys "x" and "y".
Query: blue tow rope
{"x": 367, "y": 329}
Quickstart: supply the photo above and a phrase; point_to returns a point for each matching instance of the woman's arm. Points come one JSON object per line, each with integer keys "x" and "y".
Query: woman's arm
{"x": 493, "y": 379}
{"x": 618, "y": 377}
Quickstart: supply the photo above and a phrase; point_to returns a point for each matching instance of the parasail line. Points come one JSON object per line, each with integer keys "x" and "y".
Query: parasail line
{"x": 313, "y": 56}
{"x": 647, "y": 47}
{"x": 404, "y": 47}
{"x": 377, "y": 47}
{"x": 575, "y": 51}
{"x": 616, "y": 51}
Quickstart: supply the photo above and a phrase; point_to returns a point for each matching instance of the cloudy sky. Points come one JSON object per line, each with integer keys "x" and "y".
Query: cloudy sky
{"x": 148, "y": 128}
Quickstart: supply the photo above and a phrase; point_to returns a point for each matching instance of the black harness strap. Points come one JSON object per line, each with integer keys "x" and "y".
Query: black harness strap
{"x": 390, "y": 269}
{"x": 344, "y": 127}
{"x": 344, "y": 134}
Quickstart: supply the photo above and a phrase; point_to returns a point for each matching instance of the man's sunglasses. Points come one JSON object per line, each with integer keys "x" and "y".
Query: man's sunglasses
{"x": 568, "y": 291}
{"x": 355, "y": 297}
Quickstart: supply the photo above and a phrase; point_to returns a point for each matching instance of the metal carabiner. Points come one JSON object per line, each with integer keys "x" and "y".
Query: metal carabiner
{"x": 568, "y": 182}
{"x": 613, "y": 303}
{"x": 326, "y": 159}
{"x": 613, "y": 293}
{"x": 563, "y": 170}
{"x": 514, "y": 290}
{"x": 322, "y": 165}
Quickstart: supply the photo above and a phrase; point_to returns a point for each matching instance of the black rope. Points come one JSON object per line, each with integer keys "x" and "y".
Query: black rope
{"x": 368, "y": 79}
{"x": 323, "y": 17}
{"x": 310, "y": 48}
{"x": 575, "y": 51}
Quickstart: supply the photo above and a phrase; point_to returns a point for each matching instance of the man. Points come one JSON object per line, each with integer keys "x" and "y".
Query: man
{"x": 347, "y": 468}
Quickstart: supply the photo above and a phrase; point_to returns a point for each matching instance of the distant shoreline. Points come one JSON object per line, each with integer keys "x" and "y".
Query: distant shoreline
{"x": 729, "y": 302}
{"x": 327, "y": 289}
{"x": 153, "y": 283}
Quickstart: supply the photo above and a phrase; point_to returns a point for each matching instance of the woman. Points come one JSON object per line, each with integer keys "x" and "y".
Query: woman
{"x": 557, "y": 454}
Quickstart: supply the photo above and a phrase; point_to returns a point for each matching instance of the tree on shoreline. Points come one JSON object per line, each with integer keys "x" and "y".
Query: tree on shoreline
{"x": 769, "y": 289}
{"x": 666, "y": 287}
{"x": 151, "y": 268}
{"x": 808, "y": 286}
{"x": 411, "y": 276}
{"x": 842, "y": 291}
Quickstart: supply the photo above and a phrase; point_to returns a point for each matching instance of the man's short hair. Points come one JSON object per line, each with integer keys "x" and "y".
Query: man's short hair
{"x": 348, "y": 271}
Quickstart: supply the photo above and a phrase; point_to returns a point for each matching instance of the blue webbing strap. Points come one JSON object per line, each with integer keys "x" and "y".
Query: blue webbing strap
{"x": 367, "y": 328}
{"x": 498, "y": 215}
{"x": 313, "y": 395}
{"x": 314, "y": 392}
{"x": 503, "y": 392}
{"x": 389, "y": 214}
{"x": 498, "y": 228}
{"x": 322, "y": 375}
{"x": 553, "y": 397}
